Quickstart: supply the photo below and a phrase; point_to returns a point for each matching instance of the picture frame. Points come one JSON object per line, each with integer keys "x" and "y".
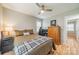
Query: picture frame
{"x": 53, "y": 22}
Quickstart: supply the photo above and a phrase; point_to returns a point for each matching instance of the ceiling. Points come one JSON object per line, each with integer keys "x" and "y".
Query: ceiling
{"x": 33, "y": 10}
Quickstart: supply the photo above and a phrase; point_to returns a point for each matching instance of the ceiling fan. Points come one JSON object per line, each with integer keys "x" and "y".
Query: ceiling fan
{"x": 43, "y": 8}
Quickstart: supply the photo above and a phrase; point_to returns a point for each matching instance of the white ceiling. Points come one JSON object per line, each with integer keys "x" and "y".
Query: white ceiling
{"x": 33, "y": 10}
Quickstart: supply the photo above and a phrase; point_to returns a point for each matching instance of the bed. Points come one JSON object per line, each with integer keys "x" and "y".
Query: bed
{"x": 43, "y": 48}
{"x": 21, "y": 43}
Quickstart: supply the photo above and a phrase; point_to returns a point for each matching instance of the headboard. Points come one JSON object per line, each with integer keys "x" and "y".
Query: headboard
{"x": 20, "y": 32}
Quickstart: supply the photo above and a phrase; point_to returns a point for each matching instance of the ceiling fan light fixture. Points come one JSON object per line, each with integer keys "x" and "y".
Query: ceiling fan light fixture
{"x": 42, "y": 11}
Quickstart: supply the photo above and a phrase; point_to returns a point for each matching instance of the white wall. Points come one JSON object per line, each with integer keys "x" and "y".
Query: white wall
{"x": 19, "y": 20}
{"x": 0, "y": 18}
{"x": 46, "y": 23}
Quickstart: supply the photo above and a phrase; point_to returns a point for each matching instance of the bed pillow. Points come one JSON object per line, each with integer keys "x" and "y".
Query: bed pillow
{"x": 30, "y": 31}
{"x": 26, "y": 33}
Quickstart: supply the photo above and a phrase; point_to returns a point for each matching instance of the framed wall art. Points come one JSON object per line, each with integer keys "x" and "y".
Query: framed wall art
{"x": 53, "y": 23}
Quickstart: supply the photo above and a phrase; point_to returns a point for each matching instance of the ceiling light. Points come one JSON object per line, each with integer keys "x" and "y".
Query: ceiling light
{"x": 42, "y": 11}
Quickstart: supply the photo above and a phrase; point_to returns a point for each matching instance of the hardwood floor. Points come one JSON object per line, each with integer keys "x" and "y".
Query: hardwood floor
{"x": 70, "y": 47}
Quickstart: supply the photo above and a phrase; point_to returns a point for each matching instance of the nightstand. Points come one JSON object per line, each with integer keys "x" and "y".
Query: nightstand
{"x": 7, "y": 44}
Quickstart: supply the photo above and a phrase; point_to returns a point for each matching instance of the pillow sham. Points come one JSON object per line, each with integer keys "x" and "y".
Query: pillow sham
{"x": 30, "y": 31}
{"x": 26, "y": 33}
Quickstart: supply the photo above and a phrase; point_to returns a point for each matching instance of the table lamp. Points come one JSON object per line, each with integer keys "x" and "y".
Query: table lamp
{"x": 8, "y": 30}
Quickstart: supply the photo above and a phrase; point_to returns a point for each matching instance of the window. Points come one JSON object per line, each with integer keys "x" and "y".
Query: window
{"x": 38, "y": 24}
{"x": 70, "y": 27}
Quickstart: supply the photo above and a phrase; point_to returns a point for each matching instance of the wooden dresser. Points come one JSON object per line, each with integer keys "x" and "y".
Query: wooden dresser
{"x": 54, "y": 32}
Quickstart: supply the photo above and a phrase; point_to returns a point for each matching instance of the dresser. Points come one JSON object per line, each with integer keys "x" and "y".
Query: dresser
{"x": 7, "y": 44}
{"x": 54, "y": 32}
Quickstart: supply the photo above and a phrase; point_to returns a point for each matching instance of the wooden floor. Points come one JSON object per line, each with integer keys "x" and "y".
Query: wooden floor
{"x": 70, "y": 47}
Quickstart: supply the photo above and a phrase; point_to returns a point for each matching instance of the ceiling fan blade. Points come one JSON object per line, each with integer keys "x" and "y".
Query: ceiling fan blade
{"x": 43, "y": 7}
{"x": 38, "y": 4}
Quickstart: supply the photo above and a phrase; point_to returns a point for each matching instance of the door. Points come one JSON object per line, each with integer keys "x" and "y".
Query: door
{"x": 77, "y": 29}
{"x": 71, "y": 29}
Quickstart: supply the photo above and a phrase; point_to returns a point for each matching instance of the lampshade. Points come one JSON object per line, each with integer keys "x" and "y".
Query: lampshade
{"x": 1, "y": 28}
{"x": 8, "y": 28}
{"x": 1, "y": 32}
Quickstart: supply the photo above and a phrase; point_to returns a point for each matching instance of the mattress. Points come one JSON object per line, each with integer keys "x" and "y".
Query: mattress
{"x": 39, "y": 46}
{"x": 41, "y": 49}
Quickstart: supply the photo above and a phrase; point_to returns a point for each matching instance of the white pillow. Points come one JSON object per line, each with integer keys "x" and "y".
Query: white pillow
{"x": 26, "y": 33}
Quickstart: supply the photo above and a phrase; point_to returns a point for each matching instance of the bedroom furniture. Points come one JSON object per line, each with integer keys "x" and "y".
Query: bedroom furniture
{"x": 45, "y": 47}
{"x": 7, "y": 44}
{"x": 54, "y": 32}
{"x": 39, "y": 46}
{"x": 40, "y": 31}
{"x": 43, "y": 32}
{"x": 21, "y": 32}
{"x": 1, "y": 33}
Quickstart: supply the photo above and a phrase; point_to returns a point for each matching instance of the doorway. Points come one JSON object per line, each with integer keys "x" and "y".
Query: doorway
{"x": 71, "y": 29}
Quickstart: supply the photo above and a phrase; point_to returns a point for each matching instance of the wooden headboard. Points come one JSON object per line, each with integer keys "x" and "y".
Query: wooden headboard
{"x": 20, "y": 32}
